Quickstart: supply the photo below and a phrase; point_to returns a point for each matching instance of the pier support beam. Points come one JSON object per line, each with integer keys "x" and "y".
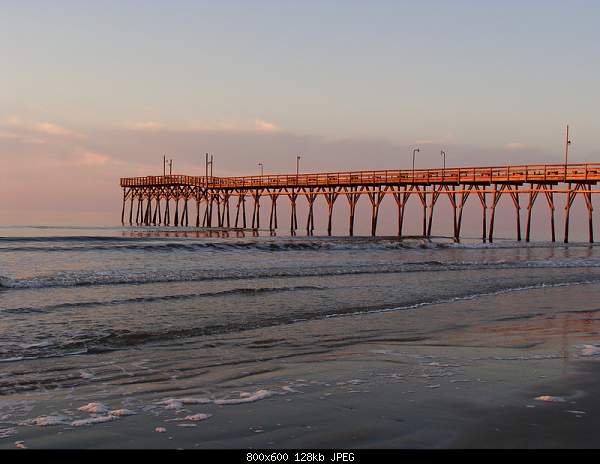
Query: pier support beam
{"x": 434, "y": 196}
{"x": 376, "y": 196}
{"x": 590, "y": 208}
{"x": 148, "y": 213}
{"x": 256, "y": 212}
{"x": 225, "y": 219}
{"x": 330, "y": 196}
{"x": 176, "y": 223}
{"x": 273, "y": 216}
{"x": 423, "y": 197}
{"x": 138, "y": 212}
{"x": 464, "y": 196}
{"x": 293, "y": 195}
{"x": 156, "y": 211}
{"x": 550, "y": 200}
{"x": 185, "y": 212}
{"x": 535, "y": 190}
{"x": 352, "y": 195}
{"x": 482, "y": 198}
{"x": 576, "y": 180}
{"x": 209, "y": 208}
{"x": 219, "y": 212}
{"x": 241, "y": 203}
{"x": 495, "y": 199}
{"x": 585, "y": 190}
{"x": 549, "y": 194}
{"x": 515, "y": 198}
{"x": 198, "y": 201}
{"x": 123, "y": 210}
{"x": 569, "y": 203}
{"x": 451, "y": 192}
{"x": 131, "y": 209}
{"x": 311, "y": 196}
{"x": 167, "y": 220}
{"x": 401, "y": 199}
{"x": 205, "y": 215}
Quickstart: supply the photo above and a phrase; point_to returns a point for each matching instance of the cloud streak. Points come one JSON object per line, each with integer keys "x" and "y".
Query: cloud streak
{"x": 65, "y": 174}
{"x": 265, "y": 126}
{"x": 35, "y": 132}
{"x": 516, "y": 146}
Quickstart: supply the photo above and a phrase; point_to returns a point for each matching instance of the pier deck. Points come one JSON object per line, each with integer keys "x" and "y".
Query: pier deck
{"x": 488, "y": 184}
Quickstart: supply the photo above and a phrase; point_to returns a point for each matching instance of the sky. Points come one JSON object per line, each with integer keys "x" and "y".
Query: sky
{"x": 94, "y": 91}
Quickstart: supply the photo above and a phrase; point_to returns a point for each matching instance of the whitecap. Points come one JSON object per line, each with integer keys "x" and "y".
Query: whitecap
{"x": 590, "y": 350}
{"x": 198, "y": 417}
{"x": 46, "y": 421}
{"x": 94, "y": 408}
{"x": 7, "y": 433}
{"x": 247, "y": 397}
{"x": 177, "y": 403}
{"x": 93, "y": 420}
{"x": 121, "y": 412}
{"x": 551, "y": 399}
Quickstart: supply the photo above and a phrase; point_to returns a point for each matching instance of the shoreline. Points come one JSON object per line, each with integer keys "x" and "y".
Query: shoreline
{"x": 463, "y": 385}
{"x": 373, "y": 416}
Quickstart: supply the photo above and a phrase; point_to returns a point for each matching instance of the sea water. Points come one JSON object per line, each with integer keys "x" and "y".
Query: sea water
{"x": 169, "y": 317}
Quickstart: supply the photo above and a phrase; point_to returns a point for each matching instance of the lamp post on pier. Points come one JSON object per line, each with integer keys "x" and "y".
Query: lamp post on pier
{"x": 567, "y": 144}
{"x": 413, "y": 163}
{"x": 260, "y": 165}
{"x": 207, "y": 164}
{"x": 170, "y": 163}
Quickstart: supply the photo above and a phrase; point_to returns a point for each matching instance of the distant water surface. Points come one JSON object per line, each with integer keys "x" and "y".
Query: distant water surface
{"x": 77, "y": 290}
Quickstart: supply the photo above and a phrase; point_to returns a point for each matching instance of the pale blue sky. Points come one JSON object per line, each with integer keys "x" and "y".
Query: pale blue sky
{"x": 475, "y": 72}
{"x": 92, "y": 91}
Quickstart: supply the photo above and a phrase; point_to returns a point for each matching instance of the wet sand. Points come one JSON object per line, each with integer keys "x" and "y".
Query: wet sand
{"x": 472, "y": 383}
{"x": 569, "y": 424}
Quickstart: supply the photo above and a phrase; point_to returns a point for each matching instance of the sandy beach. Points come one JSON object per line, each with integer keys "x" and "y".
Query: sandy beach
{"x": 360, "y": 226}
{"x": 527, "y": 380}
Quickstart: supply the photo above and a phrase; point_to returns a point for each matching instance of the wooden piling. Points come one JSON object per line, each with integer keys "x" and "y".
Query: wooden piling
{"x": 456, "y": 183}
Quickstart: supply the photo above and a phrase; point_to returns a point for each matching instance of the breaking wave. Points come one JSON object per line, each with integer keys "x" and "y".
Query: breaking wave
{"x": 160, "y": 298}
{"x": 91, "y": 244}
{"x": 142, "y": 276}
{"x": 120, "y": 339}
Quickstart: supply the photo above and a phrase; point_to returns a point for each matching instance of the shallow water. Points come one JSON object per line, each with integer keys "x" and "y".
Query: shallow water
{"x": 84, "y": 291}
{"x": 88, "y": 314}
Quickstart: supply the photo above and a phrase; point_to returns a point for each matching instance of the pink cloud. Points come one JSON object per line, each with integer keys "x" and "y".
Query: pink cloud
{"x": 54, "y": 129}
{"x": 147, "y": 125}
{"x": 15, "y": 127}
{"x": 94, "y": 159}
{"x": 44, "y": 176}
{"x": 266, "y": 126}
{"x": 516, "y": 146}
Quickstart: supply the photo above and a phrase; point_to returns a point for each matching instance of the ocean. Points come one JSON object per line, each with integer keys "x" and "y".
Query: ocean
{"x": 134, "y": 317}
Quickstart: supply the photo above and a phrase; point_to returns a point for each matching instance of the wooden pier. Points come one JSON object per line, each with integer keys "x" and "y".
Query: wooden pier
{"x": 165, "y": 200}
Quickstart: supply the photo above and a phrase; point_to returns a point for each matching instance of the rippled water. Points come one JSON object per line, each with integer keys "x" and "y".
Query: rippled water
{"x": 80, "y": 291}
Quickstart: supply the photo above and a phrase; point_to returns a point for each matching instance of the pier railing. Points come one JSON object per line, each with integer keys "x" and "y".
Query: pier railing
{"x": 485, "y": 185}
{"x": 550, "y": 173}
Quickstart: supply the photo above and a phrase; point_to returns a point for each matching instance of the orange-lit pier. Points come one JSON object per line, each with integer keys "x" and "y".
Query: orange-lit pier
{"x": 154, "y": 197}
